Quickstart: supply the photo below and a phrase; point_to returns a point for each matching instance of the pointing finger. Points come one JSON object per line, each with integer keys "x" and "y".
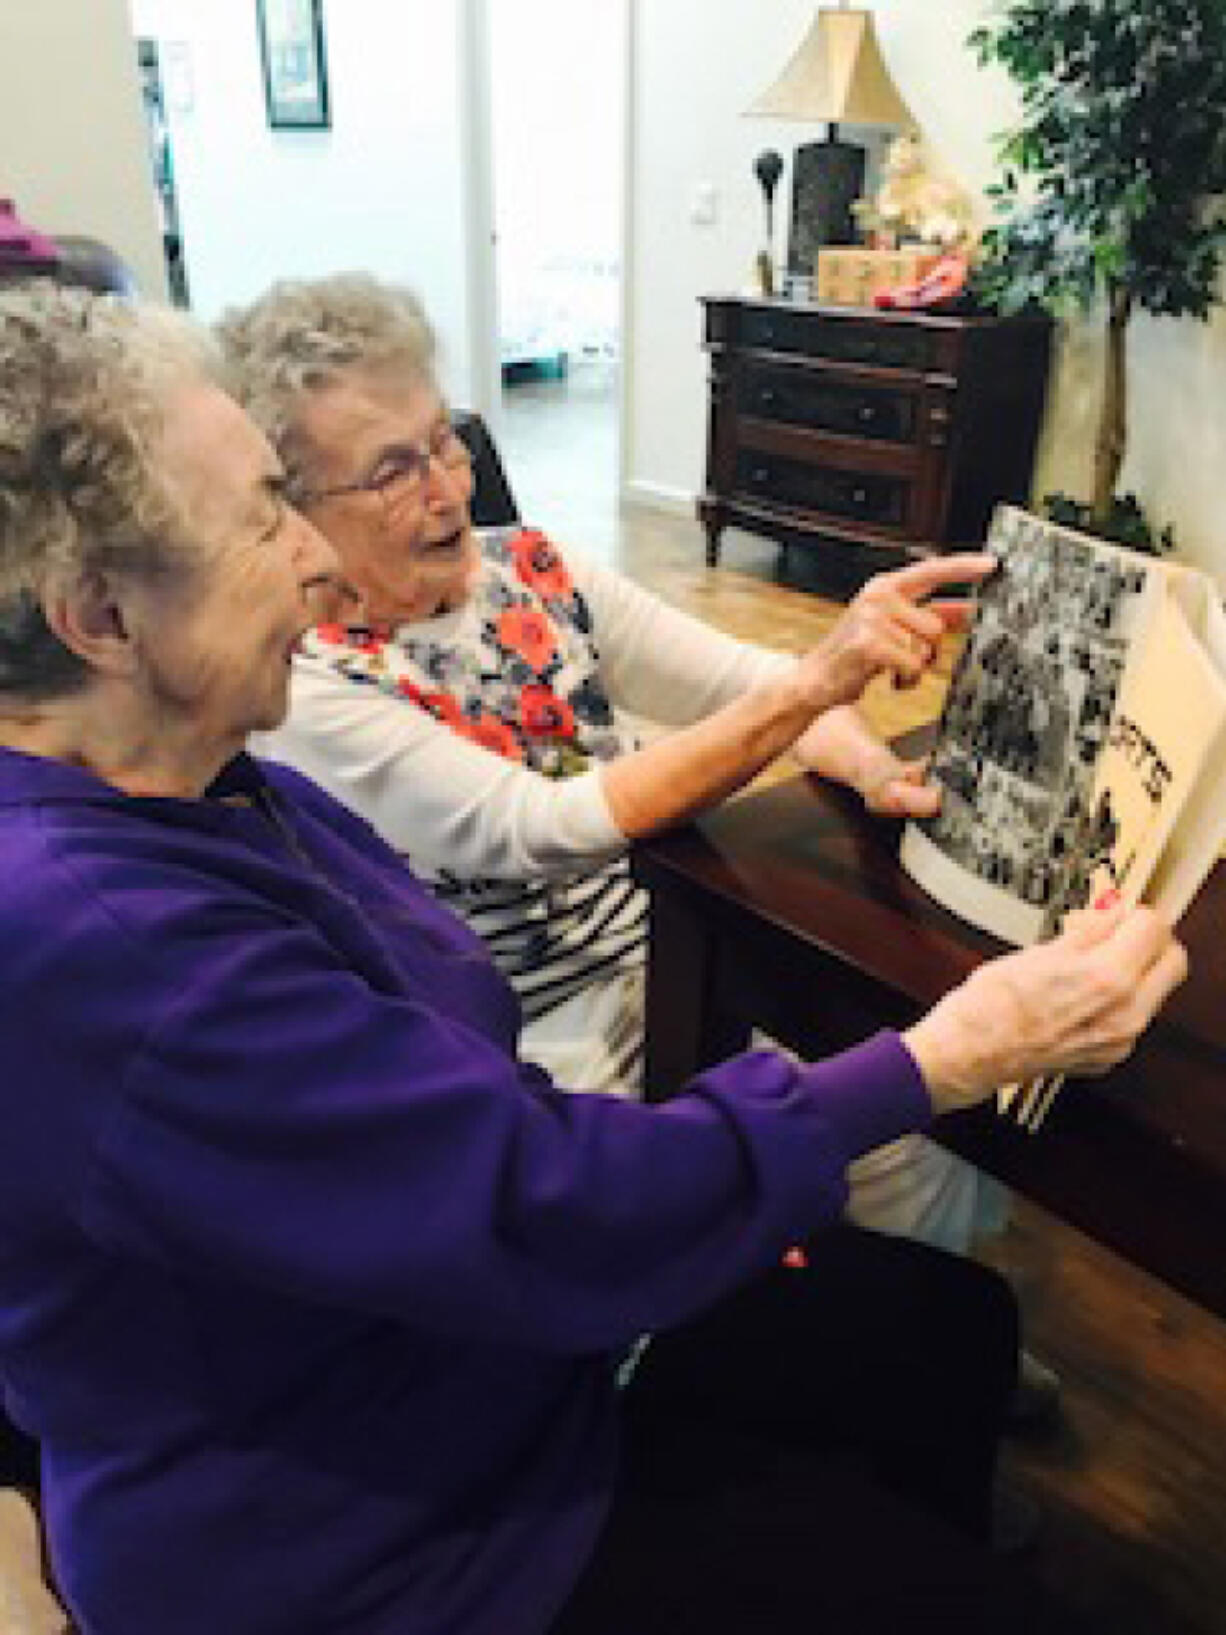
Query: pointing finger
{"x": 921, "y": 578}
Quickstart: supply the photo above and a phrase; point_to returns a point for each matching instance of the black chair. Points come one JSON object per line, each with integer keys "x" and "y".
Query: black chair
{"x": 493, "y": 503}
{"x": 84, "y": 262}
{"x": 92, "y": 265}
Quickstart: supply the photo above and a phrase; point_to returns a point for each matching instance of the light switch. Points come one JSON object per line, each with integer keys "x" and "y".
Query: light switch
{"x": 704, "y": 207}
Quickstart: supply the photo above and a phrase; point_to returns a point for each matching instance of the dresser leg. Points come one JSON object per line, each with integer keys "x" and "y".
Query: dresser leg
{"x": 713, "y": 531}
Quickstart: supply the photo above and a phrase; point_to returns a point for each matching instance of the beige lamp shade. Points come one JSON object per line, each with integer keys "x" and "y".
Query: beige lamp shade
{"x": 836, "y": 75}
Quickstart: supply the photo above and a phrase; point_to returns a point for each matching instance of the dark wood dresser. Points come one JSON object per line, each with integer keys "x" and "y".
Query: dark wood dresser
{"x": 837, "y": 427}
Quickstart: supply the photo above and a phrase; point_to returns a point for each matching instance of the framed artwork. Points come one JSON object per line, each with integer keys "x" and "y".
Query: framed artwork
{"x": 295, "y": 70}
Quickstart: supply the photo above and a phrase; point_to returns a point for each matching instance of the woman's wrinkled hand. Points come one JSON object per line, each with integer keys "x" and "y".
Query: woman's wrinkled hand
{"x": 842, "y": 746}
{"x": 892, "y": 787}
{"x": 890, "y": 628}
{"x": 1076, "y": 1004}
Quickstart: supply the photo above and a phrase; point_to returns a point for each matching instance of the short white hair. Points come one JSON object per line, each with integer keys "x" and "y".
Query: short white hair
{"x": 84, "y": 383}
{"x": 304, "y": 335}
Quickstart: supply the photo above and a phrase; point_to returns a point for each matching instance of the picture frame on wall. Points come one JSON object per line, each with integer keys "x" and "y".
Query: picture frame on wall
{"x": 295, "y": 67}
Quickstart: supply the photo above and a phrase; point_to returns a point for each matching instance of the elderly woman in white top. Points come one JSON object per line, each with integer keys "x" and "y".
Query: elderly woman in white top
{"x": 475, "y": 705}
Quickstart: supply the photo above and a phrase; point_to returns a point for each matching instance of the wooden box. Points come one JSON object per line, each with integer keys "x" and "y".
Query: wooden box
{"x": 848, "y": 276}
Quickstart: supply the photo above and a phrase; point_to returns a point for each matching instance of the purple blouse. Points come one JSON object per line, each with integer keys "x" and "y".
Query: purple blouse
{"x": 308, "y": 1288}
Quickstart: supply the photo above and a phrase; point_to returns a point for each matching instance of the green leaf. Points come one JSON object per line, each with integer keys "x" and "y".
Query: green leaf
{"x": 1122, "y": 141}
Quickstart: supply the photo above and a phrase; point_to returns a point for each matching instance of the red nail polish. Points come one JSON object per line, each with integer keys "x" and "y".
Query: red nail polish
{"x": 796, "y": 1260}
{"x": 1107, "y": 899}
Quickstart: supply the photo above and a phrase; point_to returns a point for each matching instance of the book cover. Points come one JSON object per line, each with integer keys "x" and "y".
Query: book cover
{"x": 1083, "y": 740}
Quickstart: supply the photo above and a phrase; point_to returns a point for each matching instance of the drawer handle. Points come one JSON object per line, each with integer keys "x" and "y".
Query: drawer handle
{"x": 859, "y": 496}
{"x": 866, "y": 414}
{"x": 768, "y": 333}
{"x": 768, "y": 397}
{"x": 760, "y": 475}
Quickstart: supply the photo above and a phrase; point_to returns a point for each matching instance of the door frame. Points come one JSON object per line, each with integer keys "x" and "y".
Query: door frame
{"x": 477, "y": 170}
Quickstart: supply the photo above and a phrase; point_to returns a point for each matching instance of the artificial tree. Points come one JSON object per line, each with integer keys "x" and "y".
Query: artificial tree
{"x": 1122, "y": 140}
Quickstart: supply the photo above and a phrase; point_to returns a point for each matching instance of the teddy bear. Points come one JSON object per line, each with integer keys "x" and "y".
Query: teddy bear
{"x": 912, "y": 203}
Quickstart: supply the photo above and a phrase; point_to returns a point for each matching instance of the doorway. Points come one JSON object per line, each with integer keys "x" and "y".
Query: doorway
{"x": 157, "y": 129}
{"x": 558, "y": 92}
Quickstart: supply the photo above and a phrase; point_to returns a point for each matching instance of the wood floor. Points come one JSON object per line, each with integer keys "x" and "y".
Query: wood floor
{"x": 1134, "y": 1488}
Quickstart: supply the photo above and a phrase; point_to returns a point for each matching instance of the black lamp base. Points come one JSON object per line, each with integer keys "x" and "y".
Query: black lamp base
{"x": 827, "y": 179}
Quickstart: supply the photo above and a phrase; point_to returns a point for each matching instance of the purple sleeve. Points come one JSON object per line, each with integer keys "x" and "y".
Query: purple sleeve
{"x": 289, "y": 1127}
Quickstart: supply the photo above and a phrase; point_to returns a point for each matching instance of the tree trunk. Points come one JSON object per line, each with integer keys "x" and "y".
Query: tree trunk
{"x": 1113, "y": 417}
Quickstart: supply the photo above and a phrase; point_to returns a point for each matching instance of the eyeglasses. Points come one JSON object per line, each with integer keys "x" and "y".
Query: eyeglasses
{"x": 402, "y": 472}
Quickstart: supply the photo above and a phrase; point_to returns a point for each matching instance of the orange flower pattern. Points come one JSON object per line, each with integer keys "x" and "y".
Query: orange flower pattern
{"x": 538, "y": 564}
{"x": 517, "y": 672}
{"x": 527, "y": 631}
{"x": 545, "y": 715}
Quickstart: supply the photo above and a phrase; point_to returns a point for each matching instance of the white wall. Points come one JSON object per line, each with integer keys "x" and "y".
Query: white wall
{"x": 697, "y": 66}
{"x": 382, "y": 190}
{"x": 73, "y": 151}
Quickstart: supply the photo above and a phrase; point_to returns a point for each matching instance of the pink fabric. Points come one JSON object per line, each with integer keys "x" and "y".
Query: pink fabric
{"x": 19, "y": 242}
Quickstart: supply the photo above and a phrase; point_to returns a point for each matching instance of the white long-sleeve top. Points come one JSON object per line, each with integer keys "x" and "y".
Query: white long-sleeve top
{"x": 535, "y": 863}
{"x": 460, "y": 813}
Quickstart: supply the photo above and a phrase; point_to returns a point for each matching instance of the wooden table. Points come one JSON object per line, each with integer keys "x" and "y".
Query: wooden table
{"x": 787, "y": 910}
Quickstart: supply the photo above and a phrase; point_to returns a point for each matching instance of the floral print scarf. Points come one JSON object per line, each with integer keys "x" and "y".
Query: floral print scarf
{"x": 516, "y": 669}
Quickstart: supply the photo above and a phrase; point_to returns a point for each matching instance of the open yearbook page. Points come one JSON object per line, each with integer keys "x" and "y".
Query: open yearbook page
{"x": 1083, "y": 741}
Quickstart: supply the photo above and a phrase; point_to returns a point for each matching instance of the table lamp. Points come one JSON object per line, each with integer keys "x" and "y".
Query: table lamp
{"x": 836, "y": 75}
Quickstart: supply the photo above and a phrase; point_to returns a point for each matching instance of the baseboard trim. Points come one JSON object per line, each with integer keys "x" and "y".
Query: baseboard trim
{"x": 659, "y": 497}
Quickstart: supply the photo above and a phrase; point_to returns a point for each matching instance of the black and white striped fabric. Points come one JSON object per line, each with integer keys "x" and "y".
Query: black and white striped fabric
{"x": 552, "y": 939}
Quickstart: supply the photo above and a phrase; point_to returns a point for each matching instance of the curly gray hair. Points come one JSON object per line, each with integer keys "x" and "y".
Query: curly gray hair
{"x": 84, "y": 381}
{"x": 303, "y": 335}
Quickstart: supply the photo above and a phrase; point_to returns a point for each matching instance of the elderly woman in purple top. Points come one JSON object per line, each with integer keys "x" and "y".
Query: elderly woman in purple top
{"x": 313, "y": 1295}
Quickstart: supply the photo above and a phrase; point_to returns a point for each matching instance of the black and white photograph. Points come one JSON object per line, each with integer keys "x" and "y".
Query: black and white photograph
{"x": 1029, "y": 707}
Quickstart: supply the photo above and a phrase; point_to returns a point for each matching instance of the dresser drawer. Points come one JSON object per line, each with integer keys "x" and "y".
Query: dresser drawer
{"x": 860, "y": 496}
{"x": 841, "y": 340}
{"x": 800, "y": 398}
{"x": 843, "y": 427}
